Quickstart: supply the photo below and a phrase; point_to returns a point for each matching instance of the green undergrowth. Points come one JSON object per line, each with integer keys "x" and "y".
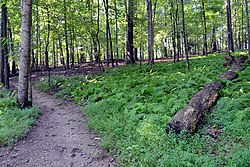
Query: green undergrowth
{"x": 14, "y": 122}
{"x": 130, "y": 108}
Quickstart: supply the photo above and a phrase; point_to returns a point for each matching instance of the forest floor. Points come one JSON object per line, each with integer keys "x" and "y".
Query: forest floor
{"x": 60, "y": 137}
{"x": 88, "y": 68}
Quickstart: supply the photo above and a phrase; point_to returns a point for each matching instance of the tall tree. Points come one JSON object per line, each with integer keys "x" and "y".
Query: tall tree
{"x": 48, "y": 38}
{"x": 106, "y": 6}
{"x": 13, "y": 70}
{"x": 248, "y": 30}
{"x": 2, "y": 52}
{"x": 130, "y": 38}
{"x": 229, "y": 27}
{"x": 174, "y": 29}
{"x": 24, "y": 71}
{"x": 97, "y": 38}
{"x": 177, "y": 31}
{"x": 116, "y": 33}
{"x": 4, "y": 45}
{"x": 66, "y": 34}
{"x": 184, "y": 34}
{"x": 150, "y": 34}
{"x": 204, "y": 28}
{"x": 37, "y": 34}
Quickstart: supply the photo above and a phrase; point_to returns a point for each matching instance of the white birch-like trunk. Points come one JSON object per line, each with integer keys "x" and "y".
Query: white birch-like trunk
{"x": 24, "y": 71}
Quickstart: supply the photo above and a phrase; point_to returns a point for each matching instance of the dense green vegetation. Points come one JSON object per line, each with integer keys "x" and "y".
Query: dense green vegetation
{"x": 130, "y": 107}
{"x": 14, "y": 122}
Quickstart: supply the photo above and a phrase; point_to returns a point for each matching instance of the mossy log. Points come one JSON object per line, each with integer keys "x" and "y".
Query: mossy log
{"x": 188, "y": 119}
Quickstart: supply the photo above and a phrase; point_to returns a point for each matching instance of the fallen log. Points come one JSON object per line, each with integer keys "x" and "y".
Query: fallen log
{"x": 236, "y": 63}
{"x": 189, "y": 118}
{"x": 229, "y": 75}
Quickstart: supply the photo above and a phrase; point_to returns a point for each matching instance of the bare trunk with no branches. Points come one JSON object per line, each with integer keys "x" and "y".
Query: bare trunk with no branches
{"x": 24, "y": 71}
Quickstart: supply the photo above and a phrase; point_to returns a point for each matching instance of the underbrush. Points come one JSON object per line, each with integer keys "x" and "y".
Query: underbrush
{"x": 14, "y": 122}
{"x": 130, "y": 108}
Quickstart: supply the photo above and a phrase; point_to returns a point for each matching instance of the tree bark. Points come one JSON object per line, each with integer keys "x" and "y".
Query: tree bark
{"x": 72, "y": 52}
{"x": 54, "y": 54}
{"x": 116, "y": 33}
{"x": 130, "y": 33}
{"x": 61, "y": 52}
{"x": 106, "y": 7}
{"x": 242, "y": 25}
{"x": 229, "y": 27}
{"x": 214, "y": 45}
{"x": 204, "y": 29}
{"x": 97, "y": 38}
{"x": 13, "y": 70}
{"x": 150, "y": 34}
{"x": 37, "y": 34}
{"x": 24, "y": 71}
{"x": 189, "y": 118}
{"x": 174, "y": 31}
{"x": 47, "y": 41}
{"x": 184, "y": 35}
{"x": 111, "y": 47}
{"x": 177, "y": 31}
{"x": 2, "y": 57}
{"x": 66, "y": 35}
{"x": 5, "y": 46}
{"x": 248, "y": 29}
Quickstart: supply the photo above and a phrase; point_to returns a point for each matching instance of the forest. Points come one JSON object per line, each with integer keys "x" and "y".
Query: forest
{"x": 125, "y": 83}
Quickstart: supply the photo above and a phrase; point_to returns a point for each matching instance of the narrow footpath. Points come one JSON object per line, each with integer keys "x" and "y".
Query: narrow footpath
{"x": 60, "y": 138}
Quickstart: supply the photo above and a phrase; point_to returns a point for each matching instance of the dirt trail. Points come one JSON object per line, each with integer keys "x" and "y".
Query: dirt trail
{"x": 60, "y": 138}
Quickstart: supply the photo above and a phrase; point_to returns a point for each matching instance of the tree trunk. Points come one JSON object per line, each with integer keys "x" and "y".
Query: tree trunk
{"x": 174, "y": 31}
{"x": 177, "y": 31}
{"x": 116, "y": 33}
{"x": 47, "y": 41}
{"x": 57, "y": 54}
{"x": 37, "y": 34}
{"x": 204, "y": 29}
{"x": 5, "y": 46}
{"x": 248, "y": 29}
{"x": 150, "y": 34}
{"x": 13, "y": 65}
{"x": 54, "y": 54}
{"x": 2, "y": 57}
{"x": 72, "y": 52}
{"x": 111, "y": 46}
{"x": 106, "y": 6}
{"x": 214, "y": 46}
{"x": 66, "y": 35}
{"x": 184, "y": 35}
{"x": 24, "y": 71}
{"x": 140, "y": 54}
{"x": 242, "y": 25}
{"x": 97, "y": 38}
{"x": 229, "y": 27}
{"x": 130, "y": 34}
{"x": 235, "y": 27}
{"x": 61, "y": 53}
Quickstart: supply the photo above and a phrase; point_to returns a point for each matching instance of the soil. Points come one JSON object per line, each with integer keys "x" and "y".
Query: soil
{"x": 60, "y": 138}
